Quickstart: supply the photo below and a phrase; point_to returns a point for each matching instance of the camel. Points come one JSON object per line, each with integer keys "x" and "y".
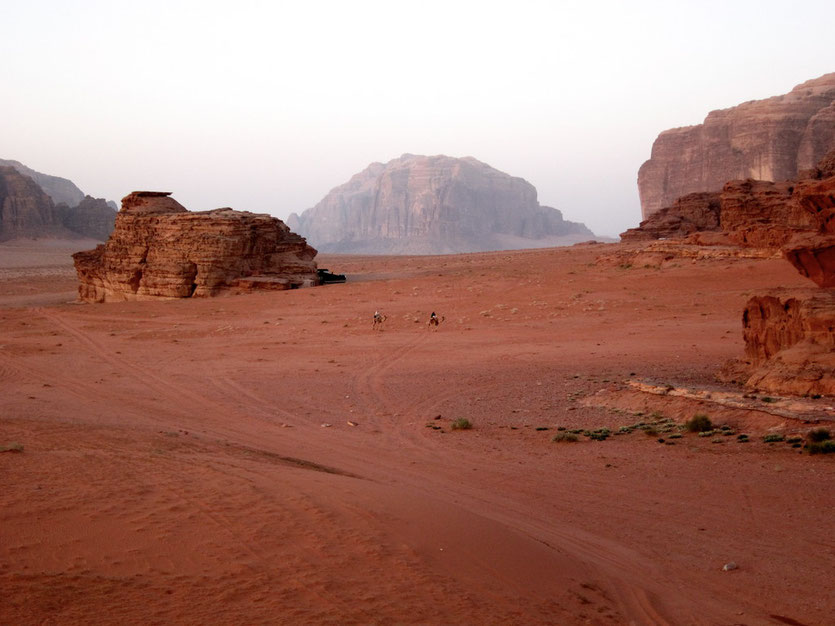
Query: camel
{"x": 434, "y": 320}
{"x": 377, "y": 323}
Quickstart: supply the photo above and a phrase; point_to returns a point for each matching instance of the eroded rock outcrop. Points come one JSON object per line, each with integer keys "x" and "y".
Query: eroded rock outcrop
{"x": 750, "y": 213}
{"x": 61, "y": 190}
{"x": 434, "y": 205}
{"x": 771, "y": 140}
{"x": 159, "y": 249}
{"x": 695, "y": 212}
{"x": 789, "y": 344}
{"x": 25, "y": 210}
{"x": 790, "y": 341}
{"x": 28, "y": 209}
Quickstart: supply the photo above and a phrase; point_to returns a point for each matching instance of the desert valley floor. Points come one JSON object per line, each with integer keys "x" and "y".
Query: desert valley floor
{"x": 269, "y": 458}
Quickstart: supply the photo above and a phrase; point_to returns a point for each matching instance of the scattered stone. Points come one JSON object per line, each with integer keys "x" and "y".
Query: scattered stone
{"x": 727, "y": 567}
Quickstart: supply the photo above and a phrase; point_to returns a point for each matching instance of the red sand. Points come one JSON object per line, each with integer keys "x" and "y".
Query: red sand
{"x": 176, "y": 468}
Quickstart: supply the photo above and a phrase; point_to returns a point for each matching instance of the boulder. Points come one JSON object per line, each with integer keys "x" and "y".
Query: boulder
{"x": 771, "y": 139}
{"x": 159, "y": 249}
{"x": 434, "y": 205}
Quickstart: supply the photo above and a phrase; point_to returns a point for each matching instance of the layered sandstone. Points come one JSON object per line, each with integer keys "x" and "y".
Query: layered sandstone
{"x": 25, "y": 210}
{"x": 434, "y": 205}
{"x": 790, "y": 344}
{"x": 61, "y": 190}
{"x": 695, "y": 212}
{"x": 158, "y": 249}
{"x": 771, "y": 139}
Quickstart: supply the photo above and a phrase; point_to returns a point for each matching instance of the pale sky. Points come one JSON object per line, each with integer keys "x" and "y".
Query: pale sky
{"x": 266, "y": 106}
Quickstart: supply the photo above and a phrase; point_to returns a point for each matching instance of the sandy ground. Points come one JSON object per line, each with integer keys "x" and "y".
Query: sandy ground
{"x": 270, "y": 459}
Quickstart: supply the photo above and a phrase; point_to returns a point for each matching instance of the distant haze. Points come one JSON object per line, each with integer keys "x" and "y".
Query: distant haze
{"x": 266, "y": 106}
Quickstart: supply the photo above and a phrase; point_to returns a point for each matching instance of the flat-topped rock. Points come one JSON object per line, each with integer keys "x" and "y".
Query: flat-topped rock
{"x": 159, "y": 249}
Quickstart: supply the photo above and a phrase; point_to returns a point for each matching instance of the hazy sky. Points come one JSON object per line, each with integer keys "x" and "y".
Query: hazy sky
{"x": 266, "y": 106}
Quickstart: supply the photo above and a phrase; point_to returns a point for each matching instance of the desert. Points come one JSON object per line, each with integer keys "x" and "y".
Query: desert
{"x": 269, "y": 458}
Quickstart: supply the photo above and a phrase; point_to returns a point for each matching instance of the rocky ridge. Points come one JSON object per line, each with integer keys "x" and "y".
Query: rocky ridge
{"x": 433, "y": 205}
{"x": 159, "y": 249}
{"x": 38, "y": 205}
{"x": 769, "y": 140}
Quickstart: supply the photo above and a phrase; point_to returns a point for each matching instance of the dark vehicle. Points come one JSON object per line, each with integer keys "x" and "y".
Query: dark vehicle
{"x": 325, "y": 277}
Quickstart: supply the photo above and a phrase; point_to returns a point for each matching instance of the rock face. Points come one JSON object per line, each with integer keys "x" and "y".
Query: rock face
{"x": 61, "y": 190}
{"x": 751, "y": 213}
{"x": 25, "y": 210}
{"x": 790, "y": 344}
{"x": 434, "y": 205}
{"x": 158, "y": 249}
{"x": 695, "y": 212}
{"x": 28, "y": 210}
{"x": 771, "y": 140}
{"x": 93, "y": 217}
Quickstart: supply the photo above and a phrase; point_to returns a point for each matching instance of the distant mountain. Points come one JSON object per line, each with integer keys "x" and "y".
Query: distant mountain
{"x": 59, "y": 189}
{"x": 33, "y": 204}
{"x": 433, "y": 205}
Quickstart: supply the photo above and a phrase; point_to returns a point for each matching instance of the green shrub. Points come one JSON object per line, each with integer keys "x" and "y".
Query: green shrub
{"x": 462, "y": 423}
{"x": 699, "y": 423}
{"x": 773, "y": 438}
{"x": 821, "y": 447}
{"x": 564, "y": 437}
{"x": 818, "y": 435}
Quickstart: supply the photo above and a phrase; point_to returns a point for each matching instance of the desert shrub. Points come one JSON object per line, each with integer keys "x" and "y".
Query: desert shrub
{"x": 819, "y": 434}
{"x": 773, "y": 438}
{"x": 821, "y": 447}
{"x": 650, "y": 432}
{"x": 707, "y": 433}
{"x": 462, "y": 423}
{"x": 794, "y": 439}
{"x": 12, "y": 447}
{"x": 542, "y": 428}
{"x": 743, "y": 438}
{"x": 699, "y": 423}
{"x": 564, "y": 437}
{"x": 674, "y": 436}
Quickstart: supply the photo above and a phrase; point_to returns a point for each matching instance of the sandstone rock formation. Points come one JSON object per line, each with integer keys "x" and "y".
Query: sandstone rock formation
{"x": 25, "y": 210}
{"x": 158, "y": 249}
{"x": 789, "y": 344}
{"x": 771, "y": 140}
{"x": 59, "y": 189}
{"x": 695, "y": 212}
{"x": 433, "y": 205}
{"x": 29, "y": 210}
{"x": 93, "y": 217}
{"x": 751, "y": 213}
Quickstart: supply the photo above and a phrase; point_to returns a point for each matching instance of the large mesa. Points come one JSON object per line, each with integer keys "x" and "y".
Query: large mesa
{"x": 434, "y": 205}
{"x": 771, "y": 140}
{"x": 159, "y": 249}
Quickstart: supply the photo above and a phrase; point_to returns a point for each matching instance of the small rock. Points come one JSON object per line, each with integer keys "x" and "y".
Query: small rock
{"x": 350, "y": 423}
{"x": 729, "y": 566}
{"x": 326, "y": 425}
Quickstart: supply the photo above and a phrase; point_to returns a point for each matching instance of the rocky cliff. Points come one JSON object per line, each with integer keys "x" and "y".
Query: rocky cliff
{"x": 25, "y": 210}
{"x": 433, "y": 205}
{"x": 29, "y": 208}
{"x": 158, "y": 249}
{"x": 751, "y": 213}
{"x": 771, "y": 140}
{"x": 61, "y": 190}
